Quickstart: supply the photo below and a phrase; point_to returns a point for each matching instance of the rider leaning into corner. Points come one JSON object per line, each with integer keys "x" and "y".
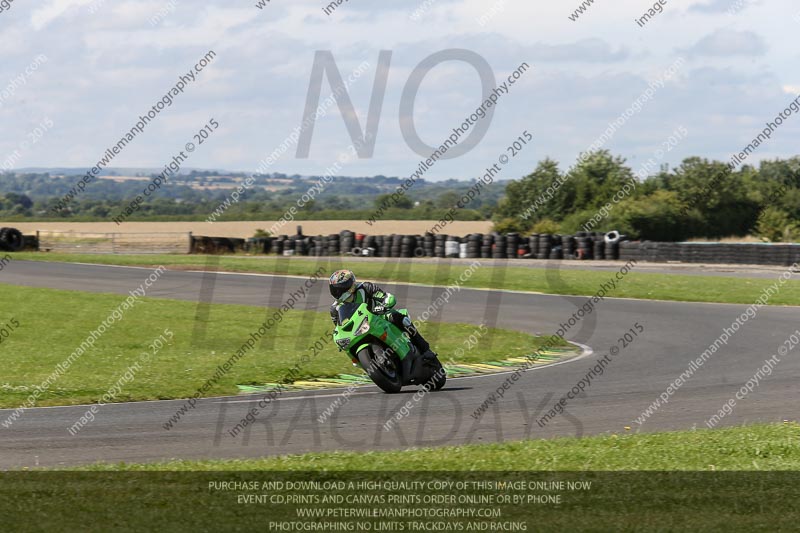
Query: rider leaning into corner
{"x": 345, "y": 289}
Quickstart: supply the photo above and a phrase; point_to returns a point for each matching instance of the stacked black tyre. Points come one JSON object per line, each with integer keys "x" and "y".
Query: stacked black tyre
{"x": 378, "y": 245}
{"x": 397, "y": 245}
{"x": 599, "y": 245}
{"x": 11, "y": 240}
{"x": 311, "y": 246}
{"x": 533, "y": 243}
{"x": 584, "y": 246}
{"x": 429, "y": 245}
{"x": 315, "y": 247}
{"x": 370, "y": 246}
{"x": 486, "y": 246}
{"x": 474, "y": 245}
{"x": 500, "y": 247}
{"x": 386, "y": 246}
{"x": 512, "y": 245}
{"x": 569, "y": 244}
{"x": 359, "y": 241}
{"x": 332, "y": 244}
{"x": 347, "y": 240}
{"x": 439, "y": 246}
{"x": 545, "y": 245}
{"x": 557, "y": 251}
{"x": 408, "y": 244}
{"x": 279, "y": 244}
{"x": 300, "y": 245}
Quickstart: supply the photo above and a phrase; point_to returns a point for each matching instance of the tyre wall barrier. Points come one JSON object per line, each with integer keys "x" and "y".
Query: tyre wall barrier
{"x": 712, "y": 252}
{"x": 583, "y": 246}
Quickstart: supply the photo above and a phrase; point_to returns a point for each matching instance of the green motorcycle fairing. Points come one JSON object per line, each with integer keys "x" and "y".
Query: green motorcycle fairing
{"x": 358, "y": 327}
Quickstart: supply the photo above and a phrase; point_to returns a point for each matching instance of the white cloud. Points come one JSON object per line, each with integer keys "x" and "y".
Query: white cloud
{"x": 725, "y": 42}
{"x": 107, "y": 67}
{"x": 41, "y": 17}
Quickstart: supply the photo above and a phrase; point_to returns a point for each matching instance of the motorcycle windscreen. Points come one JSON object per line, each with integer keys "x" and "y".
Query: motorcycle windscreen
{"x": 346, "y": 311}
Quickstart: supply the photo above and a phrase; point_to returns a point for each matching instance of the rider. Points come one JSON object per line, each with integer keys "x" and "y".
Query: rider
{"x": 345, "y": 289}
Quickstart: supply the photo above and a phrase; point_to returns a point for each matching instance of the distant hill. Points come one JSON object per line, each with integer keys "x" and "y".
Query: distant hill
{"x": 35, "y": 193}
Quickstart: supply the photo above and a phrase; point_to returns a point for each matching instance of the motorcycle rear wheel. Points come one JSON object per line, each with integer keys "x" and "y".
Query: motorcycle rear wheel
{"x": 438, "y": 379}
{"x": 381, "y": 367}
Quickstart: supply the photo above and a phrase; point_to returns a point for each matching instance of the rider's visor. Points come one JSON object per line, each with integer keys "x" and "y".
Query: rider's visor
{"x": 346, "y": 297}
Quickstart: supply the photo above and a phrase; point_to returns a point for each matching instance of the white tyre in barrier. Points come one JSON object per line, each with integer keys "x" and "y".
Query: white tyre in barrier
{"x": 612, "y": 237}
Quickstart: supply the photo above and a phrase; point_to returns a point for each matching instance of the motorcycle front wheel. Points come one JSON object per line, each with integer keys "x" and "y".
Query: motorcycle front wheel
{"x": 381, "y": 367}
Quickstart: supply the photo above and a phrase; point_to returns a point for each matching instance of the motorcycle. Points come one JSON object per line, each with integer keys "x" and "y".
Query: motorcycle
{"x": 384, "y": 351}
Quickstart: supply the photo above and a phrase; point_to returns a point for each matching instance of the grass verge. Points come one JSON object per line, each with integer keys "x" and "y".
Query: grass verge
{"x": 648, "y": 286}
{"x": 756, "y": 447}
{"x": 52, "y": 324}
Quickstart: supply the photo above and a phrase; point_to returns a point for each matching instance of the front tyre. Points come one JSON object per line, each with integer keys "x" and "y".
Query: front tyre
{"x": 381, "y": 367}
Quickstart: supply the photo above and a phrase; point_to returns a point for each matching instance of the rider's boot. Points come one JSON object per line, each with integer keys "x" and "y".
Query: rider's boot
{"x": 417, "y": 339}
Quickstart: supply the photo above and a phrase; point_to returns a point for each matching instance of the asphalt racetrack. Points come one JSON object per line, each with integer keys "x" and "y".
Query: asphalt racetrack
{"x": 674, "y": 334}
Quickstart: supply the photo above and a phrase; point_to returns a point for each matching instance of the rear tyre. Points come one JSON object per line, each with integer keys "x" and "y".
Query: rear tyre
{"x": 439, "y": 378}
{"x": 381, "y": 367}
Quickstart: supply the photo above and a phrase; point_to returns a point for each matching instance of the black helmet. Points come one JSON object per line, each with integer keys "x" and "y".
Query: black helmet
{"x": 342, "y": 285}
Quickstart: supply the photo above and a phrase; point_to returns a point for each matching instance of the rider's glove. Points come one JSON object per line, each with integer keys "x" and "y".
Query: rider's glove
{"x": 378, "y": 309}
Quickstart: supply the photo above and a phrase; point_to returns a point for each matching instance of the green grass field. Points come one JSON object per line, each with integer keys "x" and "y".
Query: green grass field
{"x": 756, "y": 448}
{"x": 748, "y": 490}
{"x": 53, "y": 323}
{"x": 568, "y": 282}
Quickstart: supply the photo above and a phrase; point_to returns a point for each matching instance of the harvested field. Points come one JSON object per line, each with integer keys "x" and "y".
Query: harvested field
{"x": 248, "y": 228}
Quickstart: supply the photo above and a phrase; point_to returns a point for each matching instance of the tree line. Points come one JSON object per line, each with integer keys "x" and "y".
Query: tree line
{"x": 699, "y": 198}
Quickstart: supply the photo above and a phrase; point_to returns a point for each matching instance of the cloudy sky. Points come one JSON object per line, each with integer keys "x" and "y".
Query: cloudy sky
{"x": 108, "y": 61}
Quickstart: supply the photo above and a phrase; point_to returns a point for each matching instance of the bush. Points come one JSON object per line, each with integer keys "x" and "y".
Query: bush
{"x": 656, "y": 217}
{"x": 775, "y": 225}
{"x": 546, "y": 225}
{"x": 510, "y": 225}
